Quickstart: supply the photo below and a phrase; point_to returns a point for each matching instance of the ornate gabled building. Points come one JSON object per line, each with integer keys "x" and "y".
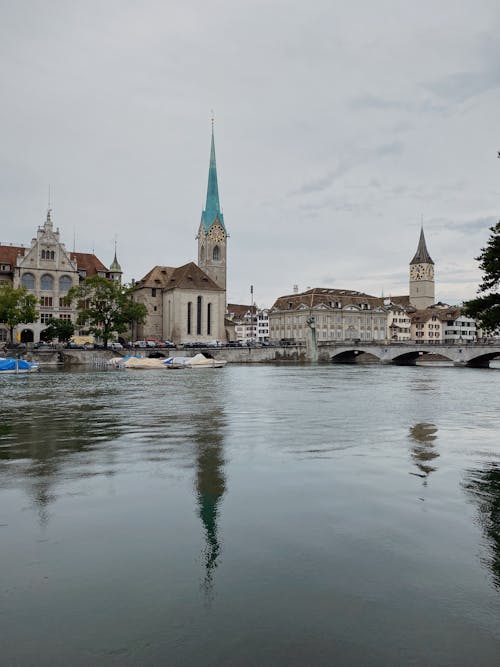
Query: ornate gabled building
{"x": 422, "y": 290}
{"x": 188, "y": 303}
{"x": 48, "y": 270}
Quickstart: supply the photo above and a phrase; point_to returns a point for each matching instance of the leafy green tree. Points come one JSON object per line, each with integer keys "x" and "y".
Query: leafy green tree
{"x": 16, "y": 307}
{"x": 105, "y": 307}
{"x": 486, "y": 308}
{"x": 60, "y": 329}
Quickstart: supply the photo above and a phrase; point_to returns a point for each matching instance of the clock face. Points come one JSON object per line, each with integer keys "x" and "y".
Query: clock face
{"x": 422, "y": 272}
{"x": 216, "y": 233}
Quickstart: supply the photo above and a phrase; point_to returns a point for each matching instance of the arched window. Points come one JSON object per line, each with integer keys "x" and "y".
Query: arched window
{"x": 198, "y": 316}
{"x": 203, "y": 252}
{"x": 28, "y": 281}
{"x": 43, "y": 254}
{"x": 209, "y": 319}
{"x": 46, "y": 282}
{"x": 189, "y": 316}
{"x": 65, "y": 283}
{"x": 216, "y": 254}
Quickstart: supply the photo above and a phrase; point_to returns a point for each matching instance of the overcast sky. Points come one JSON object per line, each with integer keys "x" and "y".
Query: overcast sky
{"x": 338, "y": 125}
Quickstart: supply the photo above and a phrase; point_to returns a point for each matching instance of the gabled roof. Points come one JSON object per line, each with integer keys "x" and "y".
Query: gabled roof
{"x": 188, "y": 276}
{"x": 9, "y": 253}
{"x": 312, "y": 298}
{"x": 85, "y": 261}
{"x": 238, "y": 310}
{"x": 88, "y": 262}
{"x": 422, "y": 256}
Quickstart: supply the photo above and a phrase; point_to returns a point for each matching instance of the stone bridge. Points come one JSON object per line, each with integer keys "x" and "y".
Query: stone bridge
{"x": 475, "y": 355}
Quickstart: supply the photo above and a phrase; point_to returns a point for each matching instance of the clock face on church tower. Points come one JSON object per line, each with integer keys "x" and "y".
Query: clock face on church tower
{"x": 421, "y": 272}
{"x": 216, "y": 233}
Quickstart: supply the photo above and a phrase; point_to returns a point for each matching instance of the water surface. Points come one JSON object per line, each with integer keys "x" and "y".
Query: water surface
{"x": 256, "y": 515}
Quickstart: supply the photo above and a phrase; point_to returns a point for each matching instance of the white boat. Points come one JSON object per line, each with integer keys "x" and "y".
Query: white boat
{"x": 10, "y": 366}
{"x": 141, "y": 363}
{"x": 198, "y": 361}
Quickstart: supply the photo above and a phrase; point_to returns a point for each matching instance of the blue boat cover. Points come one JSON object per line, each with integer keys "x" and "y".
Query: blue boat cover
{"x": 10, "y": 364}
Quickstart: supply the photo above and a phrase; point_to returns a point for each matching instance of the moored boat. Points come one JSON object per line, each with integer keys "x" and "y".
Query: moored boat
{"x": 12, "y": 366}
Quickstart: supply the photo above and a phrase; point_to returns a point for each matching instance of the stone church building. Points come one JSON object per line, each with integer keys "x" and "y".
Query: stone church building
{"x": 188, "y": 303}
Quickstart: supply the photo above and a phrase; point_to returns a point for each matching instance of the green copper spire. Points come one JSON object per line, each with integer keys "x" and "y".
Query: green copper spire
{"x": 212, "y": 211}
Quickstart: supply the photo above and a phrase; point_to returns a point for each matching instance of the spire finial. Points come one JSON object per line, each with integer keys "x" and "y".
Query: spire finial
{"x": 212, "y": 119}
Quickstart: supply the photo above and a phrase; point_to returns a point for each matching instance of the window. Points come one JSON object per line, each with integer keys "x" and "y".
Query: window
{"x": 3, "y": 335}
{"x": 216, "y": 254}
{"x": 153, "y": 291}
{"x": 189, "y": 315}
{"x": 46, "y": 282}
{"x": 65, "y": 283}
{"x": 198, "y": 316}
{"x": 64, "y": 302}
{"x": 45, "y": 317}
{"x": 28, "y": 281}
{"x": 209, "y": 319}
{"x": 65, "y": 316}
{"x": 46, "y": 302}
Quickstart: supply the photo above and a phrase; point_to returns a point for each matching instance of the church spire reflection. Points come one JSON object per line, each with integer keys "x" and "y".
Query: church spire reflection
{"x": 423, "y": 453}
{"x": 210, "y": 488}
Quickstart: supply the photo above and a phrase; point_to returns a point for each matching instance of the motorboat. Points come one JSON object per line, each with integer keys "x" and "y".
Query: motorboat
{"x": 14, "y": 366}
{"x": 198, "y": 361}
{"x": 141, "y": 363}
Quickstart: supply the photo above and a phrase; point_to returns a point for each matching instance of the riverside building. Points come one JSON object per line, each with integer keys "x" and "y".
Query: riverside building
{"x": 48, "y": 270}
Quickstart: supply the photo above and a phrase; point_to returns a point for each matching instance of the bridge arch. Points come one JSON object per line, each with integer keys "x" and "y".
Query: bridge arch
{"x": 482, "y": 360}
{"x": 350, "y": 355}
{"x": 411, "y": 357}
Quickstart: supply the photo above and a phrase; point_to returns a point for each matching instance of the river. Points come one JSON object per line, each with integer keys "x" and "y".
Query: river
{"x": 253, "y": 515}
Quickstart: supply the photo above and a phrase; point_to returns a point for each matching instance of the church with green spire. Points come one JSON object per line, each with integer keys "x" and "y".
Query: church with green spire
{"x": 212, "y": 234}
{"x": 188, "y": 303}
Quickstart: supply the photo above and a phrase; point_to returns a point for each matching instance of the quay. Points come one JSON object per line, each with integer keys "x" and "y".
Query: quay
{"x": 472, "y": 355}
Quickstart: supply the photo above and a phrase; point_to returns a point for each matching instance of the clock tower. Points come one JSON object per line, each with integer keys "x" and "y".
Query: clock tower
{"x": 212, "y": 235}
{"x": 422, "y": 293}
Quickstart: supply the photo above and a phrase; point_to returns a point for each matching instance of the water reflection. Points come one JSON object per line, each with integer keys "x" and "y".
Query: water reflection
{"x": 210, "y": 487}
{"x": 483, "y": 486}
{"x": 38, "y": 441}
{"x": 423, "y": 437}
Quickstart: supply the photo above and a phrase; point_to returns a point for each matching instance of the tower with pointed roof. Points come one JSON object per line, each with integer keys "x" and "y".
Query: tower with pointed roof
{"x": 115, "y": 270}
{"x": 422, "y": 290}
{"x": 212, "y": 235}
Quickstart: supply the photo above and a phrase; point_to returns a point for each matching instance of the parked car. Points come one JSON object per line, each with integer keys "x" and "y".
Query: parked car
{"x": 115, "y": 346}
{"x": 168, "y": 343}
{"x": 140, "y": 343}
{"x": 150, "y": 343}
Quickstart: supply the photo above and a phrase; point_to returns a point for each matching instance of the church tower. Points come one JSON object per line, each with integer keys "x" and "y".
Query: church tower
{"x": 212, "y": 234}
{"x": 422, "y": 293}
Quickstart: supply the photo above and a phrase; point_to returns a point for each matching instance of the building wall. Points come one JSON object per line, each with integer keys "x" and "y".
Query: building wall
{"x": 175, "y": 315}
{"x": 427, "y": 330}
{"x": 346, "y": 323}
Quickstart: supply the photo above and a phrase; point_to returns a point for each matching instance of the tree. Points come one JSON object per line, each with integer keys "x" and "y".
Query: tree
{"x": 16, "y": 307}
{"x": 60, "y": 329}
{"x": 486, "y": 309}
{"x": 105, "y": 306}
